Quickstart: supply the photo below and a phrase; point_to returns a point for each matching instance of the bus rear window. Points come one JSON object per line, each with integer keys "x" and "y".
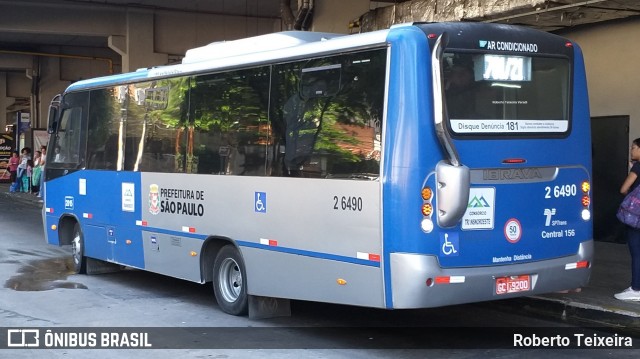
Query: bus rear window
{"x": 491, "y": 94}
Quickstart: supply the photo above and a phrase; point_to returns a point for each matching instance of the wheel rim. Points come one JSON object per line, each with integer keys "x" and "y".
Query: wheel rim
{"x": 230, "y": 279}
{"x": 76, "y": 248}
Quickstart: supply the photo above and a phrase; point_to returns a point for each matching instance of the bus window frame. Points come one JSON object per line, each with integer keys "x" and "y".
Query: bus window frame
{"x": 62, "y": 109}
{"x": 530, "y": 135}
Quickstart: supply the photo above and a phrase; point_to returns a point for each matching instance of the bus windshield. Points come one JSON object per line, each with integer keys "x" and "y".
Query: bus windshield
{"x": 497, "y": 94}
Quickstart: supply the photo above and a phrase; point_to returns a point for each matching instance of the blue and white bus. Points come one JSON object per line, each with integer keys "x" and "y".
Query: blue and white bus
{"x": 419, "y": 166}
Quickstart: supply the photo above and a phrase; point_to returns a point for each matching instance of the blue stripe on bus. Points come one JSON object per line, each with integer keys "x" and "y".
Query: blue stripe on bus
{"x": 173, "y": 232}
{"x": 287, "y": 250}
{"x": 301, "y": 252}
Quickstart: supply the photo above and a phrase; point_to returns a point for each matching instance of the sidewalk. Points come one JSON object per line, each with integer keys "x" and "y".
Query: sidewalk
{"x": 594, "y": 305}
{"x": 22, "y": 197}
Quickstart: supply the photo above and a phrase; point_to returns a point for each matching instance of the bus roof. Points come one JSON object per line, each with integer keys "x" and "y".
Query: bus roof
{"x": 262, "y": 43}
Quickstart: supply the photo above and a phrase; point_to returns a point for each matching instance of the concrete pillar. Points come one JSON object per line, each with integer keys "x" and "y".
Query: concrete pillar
{"x": 5, "y": 102}
{"x": 137, "y": 47}
{"x": 326, "y": 17}
{"x": 50, "y": 85}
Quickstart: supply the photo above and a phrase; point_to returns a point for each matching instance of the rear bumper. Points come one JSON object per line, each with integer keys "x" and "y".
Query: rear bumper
{"x": 409, "y": 274}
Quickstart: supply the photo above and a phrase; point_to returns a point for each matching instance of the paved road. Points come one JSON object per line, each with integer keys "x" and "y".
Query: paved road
{"x": 40, "y": 291}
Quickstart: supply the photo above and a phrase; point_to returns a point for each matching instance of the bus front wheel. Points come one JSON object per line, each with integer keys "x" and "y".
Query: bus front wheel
{"x": 77, "y": 251}
{"x": 229, "y": 281}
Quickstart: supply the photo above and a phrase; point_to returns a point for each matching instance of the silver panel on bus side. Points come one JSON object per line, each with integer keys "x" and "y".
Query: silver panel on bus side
{"x": 170, "y": 254}
{"x": 335, "y": 222}
{"x": 409, "y": 273}
{"x": 305, "y": 278}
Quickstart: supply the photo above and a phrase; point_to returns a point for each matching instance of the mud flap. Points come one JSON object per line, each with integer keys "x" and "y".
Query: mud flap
{"x": 96, "y": 266}
{"x": 267, "y": 307}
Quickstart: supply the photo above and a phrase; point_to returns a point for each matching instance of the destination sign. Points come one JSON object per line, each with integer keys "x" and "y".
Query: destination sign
{"x": 503, "y": 68}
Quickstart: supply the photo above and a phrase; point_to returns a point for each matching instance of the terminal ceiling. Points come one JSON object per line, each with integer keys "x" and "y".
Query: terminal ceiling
{"x": 542, "y": 14}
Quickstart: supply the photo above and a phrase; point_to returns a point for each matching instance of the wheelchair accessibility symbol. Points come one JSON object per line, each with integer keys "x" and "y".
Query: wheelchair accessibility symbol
{"x": 449, "y": 244}
{"x": 260, "y": 202}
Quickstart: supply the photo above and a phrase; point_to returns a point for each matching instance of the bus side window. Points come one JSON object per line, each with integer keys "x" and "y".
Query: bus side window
{"x": 228, "y": 113}
{"x": 156, "y": 127}
{"x": 104, "y": 113}
{"x": 326, "y": 116}
{"x": 303, "y": 114}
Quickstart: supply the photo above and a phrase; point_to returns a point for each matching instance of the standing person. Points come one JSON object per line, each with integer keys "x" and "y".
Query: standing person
{"x": 36, "y": 158}
{"x": 14, "y": 161}
{"x": 37, "y": 171}
{"x": 43, "y": 160}
{"x": 26, "y": 184}
{"x": 22, "y": 167}
{"x": 633, "y": 234}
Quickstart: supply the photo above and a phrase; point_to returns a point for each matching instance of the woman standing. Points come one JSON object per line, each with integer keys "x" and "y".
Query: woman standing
{"x": 43, "y": 161}
{"x": 22, "y": 167}
{"x": 14, "y": 161}
{"x": 633, "y": 234}
{"x": 37, "y": 170}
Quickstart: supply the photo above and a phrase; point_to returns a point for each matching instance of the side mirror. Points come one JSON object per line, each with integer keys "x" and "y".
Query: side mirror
{"x": 52, "y": 121}
{"x": 452, "y": 193}
{"x": 53, "y": 115}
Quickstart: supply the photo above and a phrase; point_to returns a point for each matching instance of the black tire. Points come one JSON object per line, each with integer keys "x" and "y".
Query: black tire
{"x": 230, "y": 281}
{"x": 77, "y": 250}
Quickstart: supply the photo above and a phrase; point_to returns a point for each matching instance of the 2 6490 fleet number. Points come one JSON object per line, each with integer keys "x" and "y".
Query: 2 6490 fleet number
{"x": 568, "y": 190}
{"x": 347, "y": 203}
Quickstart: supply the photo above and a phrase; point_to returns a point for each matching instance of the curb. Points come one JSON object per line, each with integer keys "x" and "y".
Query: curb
{"x": 575, "y": 312}
{"x": 26, "y": 198}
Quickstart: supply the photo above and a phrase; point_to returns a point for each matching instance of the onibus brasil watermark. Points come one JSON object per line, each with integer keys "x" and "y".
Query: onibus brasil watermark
{"x": 41, "y": 338}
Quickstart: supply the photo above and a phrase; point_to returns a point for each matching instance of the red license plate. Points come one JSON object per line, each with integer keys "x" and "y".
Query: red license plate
{"x": 515, "y": 284}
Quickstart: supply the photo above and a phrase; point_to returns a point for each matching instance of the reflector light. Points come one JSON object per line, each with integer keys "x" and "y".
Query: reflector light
{"x": 568, "y": 44}
{"x": 269, "y": 242}
{"x": 510, "y": 161}
{"x": 586, "y": 201}
{"x": 581, "y": 264}
{"x": 426, "y": 225}
{"x": 429, "y": 282}
{"x": 450, "y": 279}
{"x": 427, "y": 209}
{"x": 432, "y": 36}
{"x": 341, "y": 281}
{"x": 427, "y": 193}
{"x": 368, "y": 256}
{"x": 188, "y": 229}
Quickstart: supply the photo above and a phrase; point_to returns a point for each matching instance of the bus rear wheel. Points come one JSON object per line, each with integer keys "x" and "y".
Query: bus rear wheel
{"x": 77, "y": 250}
{"x": 229, "y": 281}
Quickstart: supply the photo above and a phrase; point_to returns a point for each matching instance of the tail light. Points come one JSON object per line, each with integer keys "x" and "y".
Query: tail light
{"x": 586, "y": 200}
{"x": 427, "y": 209}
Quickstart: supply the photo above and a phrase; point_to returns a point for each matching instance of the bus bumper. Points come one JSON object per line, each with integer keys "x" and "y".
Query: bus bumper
{"x": 410, "y": 274}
